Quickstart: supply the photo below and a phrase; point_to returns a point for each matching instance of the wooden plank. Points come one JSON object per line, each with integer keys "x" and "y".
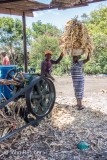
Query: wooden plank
{"x": 15, "y": 12}
{"x": 60, "y": 5}
{"x": 68, "y": 3}
{"x": 8, "y": 1}
{"x": 24, "y": 5}
{"x": 94, "y": 1}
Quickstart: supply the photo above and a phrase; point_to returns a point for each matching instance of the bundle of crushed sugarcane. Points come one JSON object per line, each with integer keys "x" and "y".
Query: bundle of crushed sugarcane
{"x": 10, "y": 118}
{"x": 8, "y": 82}
{"x": 76, "y": 39}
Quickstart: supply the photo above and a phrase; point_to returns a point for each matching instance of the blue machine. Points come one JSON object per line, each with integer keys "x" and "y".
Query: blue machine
{"x": 4, "y": 90}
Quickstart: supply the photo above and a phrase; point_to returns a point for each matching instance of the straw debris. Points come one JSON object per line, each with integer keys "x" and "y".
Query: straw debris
{"x": 76, "y": 39}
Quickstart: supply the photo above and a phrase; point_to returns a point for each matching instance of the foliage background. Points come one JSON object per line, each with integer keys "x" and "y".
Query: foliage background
{"x": 42, "y": 37}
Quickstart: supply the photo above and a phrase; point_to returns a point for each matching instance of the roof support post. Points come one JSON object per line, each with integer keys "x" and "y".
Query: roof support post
{"x": 24, "y": 42}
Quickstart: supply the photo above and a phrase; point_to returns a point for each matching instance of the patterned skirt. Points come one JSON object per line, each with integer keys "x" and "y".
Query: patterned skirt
{"x": 78, "y": 85}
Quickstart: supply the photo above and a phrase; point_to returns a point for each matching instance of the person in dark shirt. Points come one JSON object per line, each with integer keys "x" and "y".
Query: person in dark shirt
{"x": 46, "y": 65}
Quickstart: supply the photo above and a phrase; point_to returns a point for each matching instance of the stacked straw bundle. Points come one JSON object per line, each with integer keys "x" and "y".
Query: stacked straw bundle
{"x": 76, "y": 39}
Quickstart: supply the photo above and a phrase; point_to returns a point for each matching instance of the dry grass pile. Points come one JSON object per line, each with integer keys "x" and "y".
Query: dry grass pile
{"x": 9, "y": 119}
{"x": 76, "y": 39}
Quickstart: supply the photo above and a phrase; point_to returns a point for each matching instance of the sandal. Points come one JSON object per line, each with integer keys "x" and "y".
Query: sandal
{"x": 80, "y": 108}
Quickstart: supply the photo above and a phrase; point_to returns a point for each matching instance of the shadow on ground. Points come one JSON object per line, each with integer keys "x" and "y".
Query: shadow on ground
{"x": 57, "y": 136}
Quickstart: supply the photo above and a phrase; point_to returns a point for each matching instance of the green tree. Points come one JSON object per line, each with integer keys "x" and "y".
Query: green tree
{"x": 39, "y": 46}
{"x": 45, "y": 37}
{"x": 97, "y": 26}
{"x": 40, "y": 29}
{"x": 84, "y": 17}
{"x": 11, "y": 38}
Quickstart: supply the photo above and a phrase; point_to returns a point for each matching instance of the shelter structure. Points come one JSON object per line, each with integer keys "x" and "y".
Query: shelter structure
{"x": 27, "y": 7}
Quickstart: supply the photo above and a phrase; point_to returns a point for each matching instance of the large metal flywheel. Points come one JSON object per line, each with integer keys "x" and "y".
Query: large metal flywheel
{"x": 40, "y": 98}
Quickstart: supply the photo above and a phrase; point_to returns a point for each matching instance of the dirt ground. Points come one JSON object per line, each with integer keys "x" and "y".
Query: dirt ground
{"x": 58, "y": 135}
{"x": 93, "y": 84}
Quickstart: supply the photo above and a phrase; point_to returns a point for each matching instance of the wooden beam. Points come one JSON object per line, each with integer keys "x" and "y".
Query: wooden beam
{"x": 96, "y": 1}
{"x": 15, "y": 12}
{"x": 22, "y": 5}
{"x": 46, "y": 8}
{"x": 62, "y": 5}
{"x": 8, "y": 1}
{"x": 24, "y": 42}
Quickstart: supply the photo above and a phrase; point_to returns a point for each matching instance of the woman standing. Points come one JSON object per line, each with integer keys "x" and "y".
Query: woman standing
{"x": 46, "y": 65}
{"x": 78, "y": 79}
